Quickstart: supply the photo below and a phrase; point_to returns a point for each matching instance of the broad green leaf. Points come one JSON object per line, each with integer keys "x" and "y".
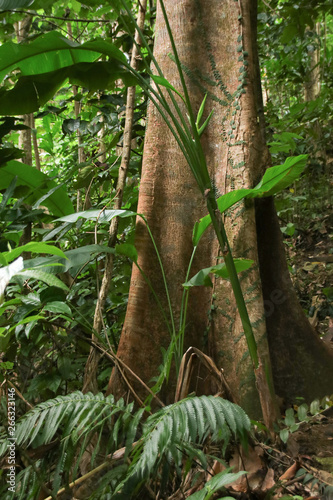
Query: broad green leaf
{"x": 52, "y": 294}
{"x": 198, "y": 495}
{"x": 8, "y": 194}
{"x": 200, "y": 228}
{"x": 5, "y": 337}
{"x": 13, "y": 236}
{"x": 73, "y": 259}
{"x": 294, "y": 427}
{"x": 32, "y": 92}
{"x": 315, "y": 407}
{"x": 240, "y": 264}
{"x": 274, "y": 180}
{"x": 9, "y": 304}
{"x": 290, "y": 418}
{"x": 287, "y": 136}
{"x": 47, "y": 278}
{"x": 45, "y": 197}
{"x": 51, "y": 59}
{"x": 302, "y": 412}
{"x": 39, "y": 184}
{"x": 14, "y": 4}
{"x": 217, "y": 482}
{"x": 279, "y": 177}
{"x": 6, "y": 365}
{"x": 289, "y": 229}
{"x": 164, "y": 82}
{"x": 290, "y": 31}
{"x": 52, "y": 51}
{"x": 35, "y": 247}
{"x": 284, "y": 434}
{"x": 26, "y": 320}
{"x": 202, "y": 277}
{"x": 222, "y": 479}
{"x": 229, "y": 199}
{"x": 6, "y": 334}
{"x": 32, "y": 299}
{"x": 278, "y": 147}
{"x": 127, "y": 250}
{"x": 101, "y": 216}
{"x": 100, "y": 75}
{"x": 58, "y": 307}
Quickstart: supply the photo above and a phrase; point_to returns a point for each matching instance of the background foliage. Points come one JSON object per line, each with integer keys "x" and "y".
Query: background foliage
{"x": 45, "y": 323}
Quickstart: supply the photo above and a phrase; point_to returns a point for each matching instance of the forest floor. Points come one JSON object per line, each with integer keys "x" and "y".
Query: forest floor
{"x": 300, "y": 469}
{"x": 310, "y": 257}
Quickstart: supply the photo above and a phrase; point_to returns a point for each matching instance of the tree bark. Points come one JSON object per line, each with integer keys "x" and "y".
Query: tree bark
{"x": 312, "y": 83}
{"x": 217, "y": 47}
{"x": 171, "y": 201}
{"x": 302, "y": 363}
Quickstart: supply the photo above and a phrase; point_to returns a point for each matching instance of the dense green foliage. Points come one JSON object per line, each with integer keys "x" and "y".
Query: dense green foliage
{"x": 72, "y": 72}
{"x": 67, "y": 424}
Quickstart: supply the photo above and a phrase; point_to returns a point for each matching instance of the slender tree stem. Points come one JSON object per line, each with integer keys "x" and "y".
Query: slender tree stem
{"x": 90, "y": 380}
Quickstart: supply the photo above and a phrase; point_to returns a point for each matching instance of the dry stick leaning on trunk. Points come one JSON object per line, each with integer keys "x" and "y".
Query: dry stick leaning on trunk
{"x": 122, "y": 366}
{"x": 90, "y": 375}
{"x": 110, "y": 461}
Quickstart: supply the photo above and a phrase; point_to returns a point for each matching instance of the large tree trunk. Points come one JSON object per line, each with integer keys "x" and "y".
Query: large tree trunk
{"x": 217, "y": 47}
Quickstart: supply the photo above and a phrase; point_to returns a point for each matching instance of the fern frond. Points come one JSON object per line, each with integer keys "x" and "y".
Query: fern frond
{"x": 174, "y": 428}
{"x": 28, "y": 484}
{"x": 132, "y": 431}
{"x": 79, "y": 413}
{"x": 170, "y": 433}
{"x": 74, "y": 419}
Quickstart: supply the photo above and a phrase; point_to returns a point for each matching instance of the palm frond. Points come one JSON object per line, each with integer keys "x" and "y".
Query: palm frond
{"x": 176, "y": 428}
{"x": 73, "y": 420}
{"x": 170, "y": 434}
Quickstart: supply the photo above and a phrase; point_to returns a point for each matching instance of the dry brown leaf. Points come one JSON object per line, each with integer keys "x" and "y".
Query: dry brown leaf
{"x": 290, "y": 473}
{"x": 256, "y": 479}
{"x": 268, "y": 482}
{"x": 253, "y": 465}
{"x": 216, "y": 468}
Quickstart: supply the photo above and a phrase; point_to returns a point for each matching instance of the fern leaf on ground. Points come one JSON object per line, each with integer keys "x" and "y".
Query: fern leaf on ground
{"x": 72, "y": 419}
{"x": 168, "y": 436}
{"x": 191, "y": 421}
